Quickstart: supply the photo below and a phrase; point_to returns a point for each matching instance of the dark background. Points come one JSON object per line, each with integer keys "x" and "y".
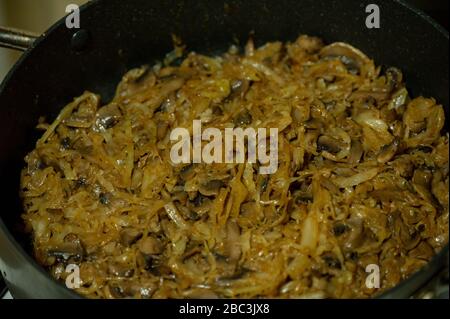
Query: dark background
{"x": 437, "y": 9}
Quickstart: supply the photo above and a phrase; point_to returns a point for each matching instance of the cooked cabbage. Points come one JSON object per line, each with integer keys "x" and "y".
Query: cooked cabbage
{"x": 362, "y": 179}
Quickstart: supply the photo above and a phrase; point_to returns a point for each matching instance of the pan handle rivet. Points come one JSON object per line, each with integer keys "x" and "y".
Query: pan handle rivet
{"x": 80, "y": 40}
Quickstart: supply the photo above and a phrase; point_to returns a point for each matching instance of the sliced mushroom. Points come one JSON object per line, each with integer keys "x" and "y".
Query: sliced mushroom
{"x": 226, "y": 281}
{"x": 331, "y": 261}
{"x": 329, "y": 144}
{"x": 200, "y": 293}
{"x": 68, "y": 252}
{"x": 211, "y": 188}
{"x": 391, "y": 270}
{"x": 157, "y": 265}
{"x": 186, "y": 211}
{"x": 330, "y": 186}
{"x": 120, "y": 270}
{"x": 424, "y": 120}
{"x": 248, "y": 209}
{"x": 175, "y": 215}
{"x": 388, "y": 152}
{"x": 146, "y": 288}
{"x": 161, "y": 130}
{"x": 150, "y": 246}
{"x": 84, "y": 115}
{"x": 303, "y": 196}
{"x": 387, "y": 195}
{"x": 352, "y": 58}
{"x": 334, "y": 148}
{"x": 104, "y": 198}
{"x": 422, "y": 251}
{"x": 340, "y": 228}
{"x": 398, "y": 101}
{"x": 243, "y": 118}
{"x": 239, "y": 88}
{"x": 168, "y": 104}
{"x": 136, "y": 76}
{"x": 355, "y": 236}
{"x": 439, "y": 188}
{"x": 136, "y": 80}
{"x": 116, "y": 291}
{"x": 72, "y": 238}
{"x": 187, "y": 172}
{"x": 421, "y": 181}
{"x": 408, "y": 236}
{"x": 83, "y": 145}
{"x": 107, "y": 117}
{"x": 65, "y": 143}
{"x": 129, "y": 236}
{"x": 301, "y": 113}
{"x": 370, "y": 98}
{"x": 232, "y": 241}
{"x": 394, "y": 78}
{"x": 412, "y": 215}
{"x": 199, "y": 200}
{"x": 356, "y": 152}
{"x": 200, "y": 205}
{"x": 422, "y": 177}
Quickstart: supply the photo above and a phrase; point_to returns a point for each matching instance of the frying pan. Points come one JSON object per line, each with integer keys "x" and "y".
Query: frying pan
{"x": 117, "y": 35}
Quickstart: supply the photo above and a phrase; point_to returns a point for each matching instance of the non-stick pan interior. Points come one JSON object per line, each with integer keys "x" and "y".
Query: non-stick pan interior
{"x": 117, "y": 35}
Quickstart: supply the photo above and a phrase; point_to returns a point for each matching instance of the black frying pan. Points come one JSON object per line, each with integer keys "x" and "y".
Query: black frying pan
{"x": 117, "y": 35}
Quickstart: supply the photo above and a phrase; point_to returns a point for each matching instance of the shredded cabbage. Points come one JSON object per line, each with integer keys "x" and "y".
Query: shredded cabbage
{"x": 362, "y": 179}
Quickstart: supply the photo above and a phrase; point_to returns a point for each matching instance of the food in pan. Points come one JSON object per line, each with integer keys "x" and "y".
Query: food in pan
{"x": 362, "y": 179}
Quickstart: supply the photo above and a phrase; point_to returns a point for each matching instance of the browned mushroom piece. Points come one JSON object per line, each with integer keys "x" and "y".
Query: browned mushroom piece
{"x": 388, "y": 152}
{"x": 187, "y": 172}
{"x": 84, "y": 115}
{"x": 200, "y": 293}
{"x": 239, "y": 88}
{"x": 150, "y": 246}
{"x": 243, "y": 118}
{"x": 251, "y": 214}
{"x": 162, "y": 129}
{"x": 232, "y": 241}
{"x": 408, "y": 236}
{"x": 120, "y": 270}
{"x": 423, "y": 251}
{"x": 129, "y": 236}
{"x": 83, "y": 145}
{"x": 394, "y": 78}
{"x": 352, "y": 58}
{"x": 199, "y": 206}
{"x": 329, "y": 144}
{"x": 211, "y": 188}
{"x": 439, "y": 189}
{"x": 354, "y": 236}
{"x": 68, "y": 252}
{"x": 107, "y": 117}
{"x": 356, "y": 152}
{"x": 301, "y": 113}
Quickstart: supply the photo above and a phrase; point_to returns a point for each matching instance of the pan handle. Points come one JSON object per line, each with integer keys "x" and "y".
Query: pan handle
{"x": 16, "y": 39}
